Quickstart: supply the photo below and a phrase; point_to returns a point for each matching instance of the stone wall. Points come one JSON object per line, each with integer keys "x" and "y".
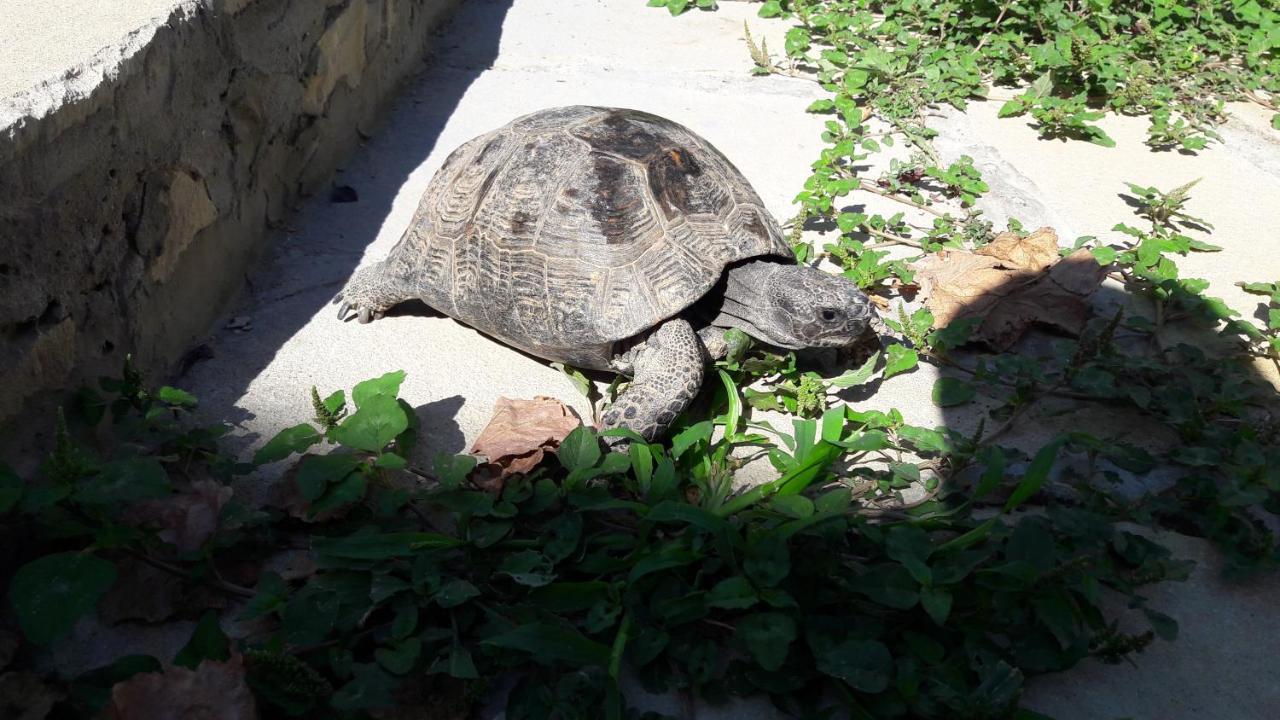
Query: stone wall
{"x": 130, "y": 214}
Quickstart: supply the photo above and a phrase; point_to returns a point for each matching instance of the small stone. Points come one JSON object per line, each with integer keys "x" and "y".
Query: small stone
{"x": 344, "y": 194}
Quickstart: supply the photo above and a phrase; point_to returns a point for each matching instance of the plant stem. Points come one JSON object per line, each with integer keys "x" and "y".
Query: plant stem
{"x": 873, "y": 188}
{"x": 220, "y": 584}
{"x": 890, "y": 238}
{"x": 994, "y": 26}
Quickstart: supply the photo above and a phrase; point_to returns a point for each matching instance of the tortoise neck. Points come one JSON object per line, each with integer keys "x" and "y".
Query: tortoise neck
{"x": 744, "y": 302}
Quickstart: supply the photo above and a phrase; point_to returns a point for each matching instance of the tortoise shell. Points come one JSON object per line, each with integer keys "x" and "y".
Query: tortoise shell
{"x": 573, "y": 228}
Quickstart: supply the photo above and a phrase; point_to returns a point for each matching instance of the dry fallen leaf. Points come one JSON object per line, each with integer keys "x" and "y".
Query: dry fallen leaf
{"x": 518, "y": 436}
{"x": 213, "y": 691}
{"x": 186, "y": 519}
{"x": 1011, "y": 283}
{"x": 26, "y": 696}
{"x": 1035, "y": 252}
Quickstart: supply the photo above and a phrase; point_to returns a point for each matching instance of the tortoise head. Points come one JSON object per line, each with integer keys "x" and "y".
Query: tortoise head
{"x": 793, "y": 306}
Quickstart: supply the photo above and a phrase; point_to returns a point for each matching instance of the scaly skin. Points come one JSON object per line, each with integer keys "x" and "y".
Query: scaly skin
{"x": 372, "y": 291}
{"x": 668, "y": 368}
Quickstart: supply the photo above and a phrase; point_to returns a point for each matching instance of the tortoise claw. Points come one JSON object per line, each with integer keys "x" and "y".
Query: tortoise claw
{"x": 342, "y": 310}
{"x": 366, "y": 316}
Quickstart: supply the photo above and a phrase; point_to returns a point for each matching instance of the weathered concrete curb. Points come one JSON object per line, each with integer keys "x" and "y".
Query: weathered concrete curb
{"x": 137, "y": 190}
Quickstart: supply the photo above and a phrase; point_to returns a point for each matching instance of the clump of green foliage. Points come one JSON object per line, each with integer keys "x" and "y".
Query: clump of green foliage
{"x": 820, "y": 588}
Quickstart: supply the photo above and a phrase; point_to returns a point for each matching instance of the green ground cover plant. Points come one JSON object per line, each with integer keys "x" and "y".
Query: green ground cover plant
{"x": 890, "y": 570}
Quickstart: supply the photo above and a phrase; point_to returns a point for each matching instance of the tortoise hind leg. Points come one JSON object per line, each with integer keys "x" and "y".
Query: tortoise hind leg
{"x": 668, "y": 369}
{"x": 372, "y": 291}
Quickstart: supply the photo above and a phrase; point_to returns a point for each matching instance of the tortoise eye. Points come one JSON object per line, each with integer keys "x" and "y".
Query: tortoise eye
{"x": 830, "y": 315}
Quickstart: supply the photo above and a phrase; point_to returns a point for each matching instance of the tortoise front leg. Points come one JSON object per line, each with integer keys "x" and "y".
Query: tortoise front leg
{"x": 668, "y": 368}
{"x": 372, "y": 291}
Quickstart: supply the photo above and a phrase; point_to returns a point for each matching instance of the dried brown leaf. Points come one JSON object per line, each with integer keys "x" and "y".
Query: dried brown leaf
{"x": 1035, "y": 252}
{"x": 518, "y": 436}
{"x": 186, "y": 519}
{"x": 1011, "y": 284}
{"x": 25, "y": 696}
{"x": 213, "y": 691}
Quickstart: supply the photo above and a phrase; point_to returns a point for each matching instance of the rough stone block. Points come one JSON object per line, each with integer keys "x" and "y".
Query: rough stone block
{"x": 132, "y": 206}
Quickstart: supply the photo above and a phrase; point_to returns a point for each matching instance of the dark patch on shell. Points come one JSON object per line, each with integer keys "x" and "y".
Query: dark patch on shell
{"x": 571, "y": 193}
{"x": 520, "y": 220}
{"x": 488, "y": 147}
{"x": 669, "y": 174}
{"x": 619, "y": 133}
{"x": 614, "y": 202}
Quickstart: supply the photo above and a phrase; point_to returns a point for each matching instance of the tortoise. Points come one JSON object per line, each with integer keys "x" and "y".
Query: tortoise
{"x": 610, "y": 239}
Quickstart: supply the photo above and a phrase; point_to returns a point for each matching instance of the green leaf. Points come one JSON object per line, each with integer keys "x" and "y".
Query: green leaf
{"x": 388, "y": 386}
{"x": 936, "y": 602}
{"x": 910, "y": 546}
{"x": 768, "y": 561}
{"x": 371, "y": 688}
{"x": 924, "y": 439}
{"x": 949, "y": 392}
{"x": 866, "y": 665}
{"x": 773, "y": 8}
{"x": 528, "y": 567}
{"x": 669, "y": 556}
{"x": 125, "y": 481}
{"x": 546, "y": 643}
{"x": 832, "y": 501}
{"x": 401, "y": 657}
{"x": 891, "y": 585}
{"x": 317, "y": 472}
{"x": 348, "y": 490}
{"x": 853, "y": 378}
{"x": 457, "y": 663}
{"x": 174, "y": 396}
{"x": 455, "y": 593}
{"x": 690, "y": 436}
{"x": 391, "y": 461}
{"x": 768, "y": 637}
{"x": 1103, "y": 254}
{"x": 1011, "y": 108}
{"x": 733, "y": 593}
{"x": 580, "y": 381}
{"x": 383, "y": 546}
{"x": 795, "y": 506}
{"x": 900, "y": 359}
{"x": 454, "y": 469}
{"x": 207, "y": 642}
{"x": 271, "y": 595}
{"x": 1098, "y": 137}
{"x": 1036, "y": 475}
{"x": 735, "y": 405}
{"x": 286, "y": 442}
{"x": 378, "y": 421}
{"x": 50, "y": 594}
{"x": 580, "y": 450}
{"x": 833, "y": 424}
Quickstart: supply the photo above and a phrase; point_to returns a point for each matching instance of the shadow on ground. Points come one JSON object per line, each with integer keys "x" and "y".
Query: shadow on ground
{"x": 340, "y": 228}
